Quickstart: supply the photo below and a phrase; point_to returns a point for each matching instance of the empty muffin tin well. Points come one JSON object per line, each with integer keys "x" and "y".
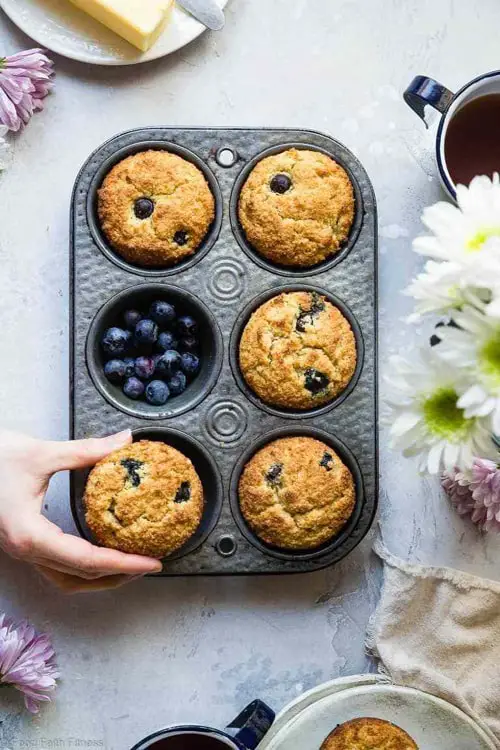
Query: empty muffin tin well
{"x": 237, "y": 333}
{"x": 227, "y": 280}
{"x": 261, "y": 260}
{"x": 339, "y": 545}
{"x": 140, "y": 297}
{"x": 93, "y": 219}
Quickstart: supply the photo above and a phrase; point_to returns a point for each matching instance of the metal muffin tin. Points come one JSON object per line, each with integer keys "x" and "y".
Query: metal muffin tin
{"x": 218, "y": 422}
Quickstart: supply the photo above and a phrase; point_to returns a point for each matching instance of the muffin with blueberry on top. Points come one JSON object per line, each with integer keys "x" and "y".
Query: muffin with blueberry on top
{"x": 296, "y": 494}
{"x": 297, "y": 207}
{"x": 155, "y": 208}
{"x": 145, "y": 499}
{"x": 297, "y": 351}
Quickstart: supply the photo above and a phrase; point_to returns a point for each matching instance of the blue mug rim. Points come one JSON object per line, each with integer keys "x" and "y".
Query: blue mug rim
{"x": 184, "y": 729}
{"x": 439, "y": 137}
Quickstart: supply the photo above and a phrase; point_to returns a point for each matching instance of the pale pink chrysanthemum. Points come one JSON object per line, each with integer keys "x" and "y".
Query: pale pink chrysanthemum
{"x": 476, "y": 493}
{"x": 27, "y": 662}
{"x": 25, "y": 80}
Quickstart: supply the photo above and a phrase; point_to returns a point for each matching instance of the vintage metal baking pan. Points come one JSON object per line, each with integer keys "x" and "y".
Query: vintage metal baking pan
{"x": 218, "y": 422}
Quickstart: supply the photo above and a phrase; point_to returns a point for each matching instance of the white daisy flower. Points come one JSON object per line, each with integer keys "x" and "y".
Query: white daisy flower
{"x": 474, "y": 348}
{"x": 4, "y": 148}
{"x": 426, "y": 420}
{"x": 438, "y": 289}
{"x": 461, "y": 232}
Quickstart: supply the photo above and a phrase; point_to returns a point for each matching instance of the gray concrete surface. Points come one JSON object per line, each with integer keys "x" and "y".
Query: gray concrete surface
{"x": 162, "y": 652}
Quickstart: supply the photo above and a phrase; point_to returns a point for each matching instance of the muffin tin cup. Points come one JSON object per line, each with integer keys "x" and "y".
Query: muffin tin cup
{"x": 102, "y": 241}
{"x": 336, "y": 547}
{"x": 140, "y": 297}
{"x": 237, "y": 333}
{"x": 207, "y": 470}
{"x": 218, "y": 417}
{"x": 260, "y": 259}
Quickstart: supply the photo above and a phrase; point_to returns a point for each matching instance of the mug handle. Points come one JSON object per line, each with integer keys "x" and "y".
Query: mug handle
{"x": 423, "y": 91}
{"x": 252, "y": 724}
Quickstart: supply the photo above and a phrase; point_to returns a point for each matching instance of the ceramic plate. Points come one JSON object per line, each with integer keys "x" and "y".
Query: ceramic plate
{"x": 59, "y": 26}
{"x": 433, "y": 723}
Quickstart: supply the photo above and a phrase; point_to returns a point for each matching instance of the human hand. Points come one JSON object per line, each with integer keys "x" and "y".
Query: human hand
{"x": 71, "y": 563}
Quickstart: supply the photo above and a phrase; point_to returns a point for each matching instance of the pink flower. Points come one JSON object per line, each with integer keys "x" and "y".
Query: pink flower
{"x": 476, "y": 493}
{"x": 27, "y": 662}
{"x": 25, "y": 80}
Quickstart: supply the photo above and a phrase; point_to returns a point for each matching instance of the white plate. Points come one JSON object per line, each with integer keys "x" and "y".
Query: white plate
{"x": 433, "y": 723}
{"x": 59, "y": 26}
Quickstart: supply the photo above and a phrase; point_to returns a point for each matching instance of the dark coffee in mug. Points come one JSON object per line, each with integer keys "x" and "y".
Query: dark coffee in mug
{"x": 472, "y": 141}
{"x": 189, "y": 741}
{"x": 468, "y": 136}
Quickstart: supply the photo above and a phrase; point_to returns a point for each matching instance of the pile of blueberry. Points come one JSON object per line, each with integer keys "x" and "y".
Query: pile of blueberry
{"x": 155, "y": 355}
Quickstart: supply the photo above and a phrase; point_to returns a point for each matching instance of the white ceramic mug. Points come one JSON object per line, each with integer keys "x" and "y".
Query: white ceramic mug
{"x": 423, "y": 91}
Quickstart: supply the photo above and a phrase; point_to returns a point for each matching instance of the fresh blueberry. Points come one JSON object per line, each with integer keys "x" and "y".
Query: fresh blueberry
{"x": 190, "y": 363}
{"x": 187, "y": 326}
{"x": 281, "y": 183}
{"x": 131, "y": 318}
{"x": 181, "y": 238}
{"x": 115, "y": 341}
{"x": 143, "y": 208}
{"x": 177, "y": 384}
{"x": 129, "y": 367}
{"x": 162, "y": 312}
{"x": 115, "y": 370}
{"x": 169, "y": 363}
{"x": 144, "y": 367}
{"x": 166, "y": 340}
{"x": 188, "y": 344}
{"x": 157, "y": 393}
{"x": 146, "y": 332}
{"x": 133, "y": 388}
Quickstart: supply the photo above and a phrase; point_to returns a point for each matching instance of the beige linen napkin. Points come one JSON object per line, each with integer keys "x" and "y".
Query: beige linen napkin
{"x": 438, "y": 630}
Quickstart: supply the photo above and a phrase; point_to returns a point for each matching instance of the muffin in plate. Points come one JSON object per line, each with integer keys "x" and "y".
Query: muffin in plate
{"x": 368, "y": 734}
{"x": 145, "y": 498}
{"x": 155, "y": 208}
{"x": 296, "y": 493}
{"x": 297, "y": 351}
{"x": 297, "y": 207}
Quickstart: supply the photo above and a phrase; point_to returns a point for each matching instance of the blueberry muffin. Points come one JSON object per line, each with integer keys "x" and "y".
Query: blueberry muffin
{"x": 145, "y": 499}
{"x": 297, "y": 351}
{"x": 155, "y": 208}
{"x": 296, "y": 494}
{"x": 368, "y": 734}
{"x": 297, "y": 207}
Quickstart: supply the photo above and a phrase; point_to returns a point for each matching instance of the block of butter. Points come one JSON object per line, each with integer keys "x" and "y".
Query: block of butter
{"x": 140, "y": 22}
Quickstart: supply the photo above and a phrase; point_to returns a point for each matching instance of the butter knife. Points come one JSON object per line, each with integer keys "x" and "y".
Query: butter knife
{"x": 205, "y": 11}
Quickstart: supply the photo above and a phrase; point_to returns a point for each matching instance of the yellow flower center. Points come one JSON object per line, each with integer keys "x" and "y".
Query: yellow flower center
{"x": 480, "y": 238}
{"x": 489, "y": 358}
{"x": 443, "y": 417}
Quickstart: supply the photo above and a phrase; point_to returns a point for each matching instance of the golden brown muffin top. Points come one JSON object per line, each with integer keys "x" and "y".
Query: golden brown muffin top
{"x": 145, "y": 498}
{"x": 305, "y": 223}
{"x": 176, "y": 217}
{"x": 295, "y": 493}
{"x": 297, "y": 351}
{"x": 368, "y": 734}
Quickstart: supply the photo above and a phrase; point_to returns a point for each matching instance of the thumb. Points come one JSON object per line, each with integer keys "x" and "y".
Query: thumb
{"x": 77, "y": 454}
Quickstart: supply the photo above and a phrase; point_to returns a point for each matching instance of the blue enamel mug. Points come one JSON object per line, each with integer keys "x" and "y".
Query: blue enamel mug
{"x": 243, "y": 733}
{"x": 424, "y": 91}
